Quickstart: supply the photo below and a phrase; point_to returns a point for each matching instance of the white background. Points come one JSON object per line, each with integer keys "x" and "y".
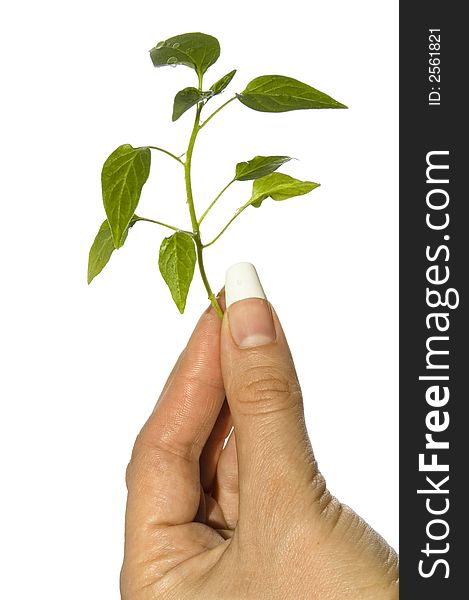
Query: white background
{"x": 82, "y": 366}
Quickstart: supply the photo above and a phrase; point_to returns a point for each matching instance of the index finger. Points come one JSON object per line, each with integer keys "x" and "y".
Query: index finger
{"x": 163, "y": 475}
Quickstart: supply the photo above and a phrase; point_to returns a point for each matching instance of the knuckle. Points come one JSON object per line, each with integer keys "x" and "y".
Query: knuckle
{"x": 143, "y": 459}
{"x": 141, "y": 471}
{"x": 151, "y": 457}
{"x": 138, "y": 452}
{"x": 128, "y": 475}
{"x": 131, "y": 468}
{"x": 135, "y": 475}
{"x": 265, "y": 390}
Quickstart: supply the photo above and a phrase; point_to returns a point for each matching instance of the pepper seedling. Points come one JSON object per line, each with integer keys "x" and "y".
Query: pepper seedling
{"x": 127, "y": 169}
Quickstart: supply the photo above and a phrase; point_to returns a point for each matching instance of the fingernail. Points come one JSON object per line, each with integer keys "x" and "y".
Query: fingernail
{"x": 249, "y": 314}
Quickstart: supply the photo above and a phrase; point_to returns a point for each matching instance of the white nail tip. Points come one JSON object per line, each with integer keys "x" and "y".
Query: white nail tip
{"x": 242, "y": 282}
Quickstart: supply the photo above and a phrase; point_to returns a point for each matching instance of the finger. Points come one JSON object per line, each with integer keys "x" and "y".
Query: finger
{"x": 172, "y": 374}
{"x": 226, "y": 490}
{"x": 163, "y": 474}
{"x": 213, "y": 447}
{"x": 264, "y": 395}
{"x": 214, "y": 516}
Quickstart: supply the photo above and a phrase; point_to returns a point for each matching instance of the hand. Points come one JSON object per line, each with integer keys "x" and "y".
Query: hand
{"x": 252, "y": 520}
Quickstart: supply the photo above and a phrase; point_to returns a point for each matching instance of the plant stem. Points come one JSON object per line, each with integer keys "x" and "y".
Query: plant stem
{"x": 164, "y": 225}
{"x": 237, "y": 213}
{"x": 211, "y": 295}
{"x": 190, "y": 202}
{"x": 168, "y": 153}
{"x": 187, "y": 171}
{"x": 217, "y": 111}
{"x": 214, "y": 201}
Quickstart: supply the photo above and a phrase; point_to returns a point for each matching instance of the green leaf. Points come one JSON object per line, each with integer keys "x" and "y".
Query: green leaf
{"x": 123, "y": 176}
{"x": 177, "y": 262}
{"x": 276, "y": 93}
{"x": 102, "y": 249}
{"x": 184, "y": 100}
{"x": 195, "y": 50}
{"x": 279, "y": 186}
{"x": 259, "y": 166}
{"x": 221, "y": 84}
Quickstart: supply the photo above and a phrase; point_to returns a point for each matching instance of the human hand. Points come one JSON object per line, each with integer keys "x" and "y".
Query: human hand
{"x": 252, "y": 520}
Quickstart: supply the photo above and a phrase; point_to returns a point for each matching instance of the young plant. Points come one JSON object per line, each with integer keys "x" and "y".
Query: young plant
{"x": 126, "y": 170}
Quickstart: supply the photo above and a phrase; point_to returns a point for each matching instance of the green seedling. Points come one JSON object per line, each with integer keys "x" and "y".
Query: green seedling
{"x": 127, "y": 169}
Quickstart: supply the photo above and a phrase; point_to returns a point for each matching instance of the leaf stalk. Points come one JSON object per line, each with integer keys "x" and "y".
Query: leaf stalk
{"x": 216, "y": 112}
{"x": 235, "y": 216}
{"x": 168, "y": 153}
{"x": 164, "y": 225}
{"x": 209, "y": 208}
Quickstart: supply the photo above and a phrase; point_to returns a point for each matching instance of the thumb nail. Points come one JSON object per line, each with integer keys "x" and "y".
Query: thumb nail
{"x": 249, "y": 313}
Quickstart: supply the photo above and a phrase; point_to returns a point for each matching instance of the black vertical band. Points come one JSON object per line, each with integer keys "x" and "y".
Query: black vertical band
{"x": 434, "y": 269}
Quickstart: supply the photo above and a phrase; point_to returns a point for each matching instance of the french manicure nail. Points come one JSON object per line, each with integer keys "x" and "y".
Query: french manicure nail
{"x": 249, "y": 313}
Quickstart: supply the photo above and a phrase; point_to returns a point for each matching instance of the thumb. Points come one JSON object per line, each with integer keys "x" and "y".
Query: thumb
{"x": 274, "y": 453}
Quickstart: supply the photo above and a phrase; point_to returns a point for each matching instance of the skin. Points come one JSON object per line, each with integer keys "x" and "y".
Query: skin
{"x": 253, "y": 520}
